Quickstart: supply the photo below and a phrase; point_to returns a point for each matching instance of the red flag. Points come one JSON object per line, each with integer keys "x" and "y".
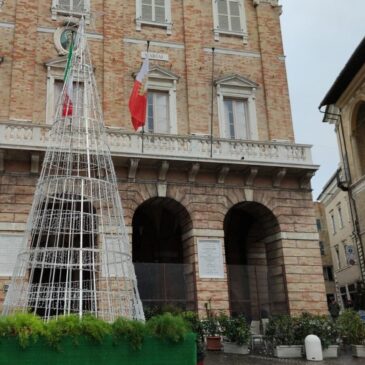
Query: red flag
{"x": 138, "y": 98}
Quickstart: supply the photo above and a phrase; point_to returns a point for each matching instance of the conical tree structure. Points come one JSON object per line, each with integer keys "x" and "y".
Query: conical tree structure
{"x": 76, "y": 256}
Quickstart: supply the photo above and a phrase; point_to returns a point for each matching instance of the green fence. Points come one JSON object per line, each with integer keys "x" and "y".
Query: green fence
{"x": 86, "y": 352}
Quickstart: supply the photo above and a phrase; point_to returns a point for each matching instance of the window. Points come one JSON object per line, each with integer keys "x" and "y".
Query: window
{"x": 333, "y": 222}
{"x": 328, "y": 273}
{"x": 154, "y": 12}
{"x": 161, "y": 101}
{"x": 340, "y": 219}
{"x": 55, "y": 73}
{"x": 236, "y": 107}
{"x": 158, "y": 112}
{"x": 71, "y": 7}
{"x": 337, "y": 251}
{"x": 229, "y": 18}
{"x": 319, "y": 226}
{"x": 321, "y": 248}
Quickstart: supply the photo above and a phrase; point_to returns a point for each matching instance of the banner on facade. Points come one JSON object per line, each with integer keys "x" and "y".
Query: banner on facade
{"x": 350, "y": 254}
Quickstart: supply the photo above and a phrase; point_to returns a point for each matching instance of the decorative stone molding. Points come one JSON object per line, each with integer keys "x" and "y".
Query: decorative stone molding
{"x": 193, "y": 172}
{"x": 273, "y": 3}
{"x": 305, "y": 180}
{"x": 133, "y": 166}
{"x": 278, "y": 177}
{"x": 223, "y": 172}
{"x": 2, "y": 160}
{"x": 251, "y": 176}
{"x": 34, "y": 163}
{"x": 34, "y": 137}
{"x": 163, "y": 171}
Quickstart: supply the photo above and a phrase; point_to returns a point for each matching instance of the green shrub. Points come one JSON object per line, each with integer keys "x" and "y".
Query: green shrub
{"x": 25, "y": 326}
{"x": 282, "y": 330}
{"x": 129, "y": 330}
{"x": 321, "y": 326}
{"x": 351, "y": 327}
{"x": 168, "y": 327}
{"x": 211, "y": 326}
{"x": 235, "y": 330}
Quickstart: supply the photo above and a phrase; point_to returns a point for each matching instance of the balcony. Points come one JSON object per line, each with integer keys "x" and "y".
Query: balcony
{"x": 26, "y": 136}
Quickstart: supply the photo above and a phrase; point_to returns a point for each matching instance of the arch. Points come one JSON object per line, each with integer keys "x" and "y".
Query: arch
{"x": 255, "y": 274}
{"x": 162, "y": 253}
{"x": 358, "y": 134}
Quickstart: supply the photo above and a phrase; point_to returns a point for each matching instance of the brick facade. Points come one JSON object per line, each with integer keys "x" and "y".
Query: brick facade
{"x": 285, "y": 238}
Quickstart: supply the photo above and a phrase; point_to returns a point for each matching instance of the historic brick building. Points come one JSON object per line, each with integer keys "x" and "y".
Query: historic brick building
{"x": 216, "y": 193}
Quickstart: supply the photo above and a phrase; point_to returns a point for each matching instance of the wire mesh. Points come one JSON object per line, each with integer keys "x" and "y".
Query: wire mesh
{"x": 76, "y": 255}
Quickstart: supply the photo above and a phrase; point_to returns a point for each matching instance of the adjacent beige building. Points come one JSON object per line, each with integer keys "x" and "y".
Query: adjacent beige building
{"x": 344, "y": 106}
{"x": 216, "y": 193}
{"x": 345, "y": 272}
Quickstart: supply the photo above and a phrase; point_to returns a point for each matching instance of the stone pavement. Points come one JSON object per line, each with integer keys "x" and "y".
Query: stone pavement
{"x": 220, "y": 358}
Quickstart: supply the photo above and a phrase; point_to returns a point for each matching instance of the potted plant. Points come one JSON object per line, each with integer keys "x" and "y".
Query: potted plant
{"x": 212, "y": 333}
{"x": 236, "y": 334}
{"x": 352, "y": 331}
{"x": 322, "y": 327}
{"x": 282, "y": 335}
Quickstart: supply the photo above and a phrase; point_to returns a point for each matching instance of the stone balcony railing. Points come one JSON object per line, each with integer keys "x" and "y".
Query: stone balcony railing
{"x": 26, "y": 136}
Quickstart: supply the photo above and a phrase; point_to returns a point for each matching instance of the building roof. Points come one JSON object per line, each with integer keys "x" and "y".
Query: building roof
{"x": 343, "y": 80}
{"x": 328, "y": 184}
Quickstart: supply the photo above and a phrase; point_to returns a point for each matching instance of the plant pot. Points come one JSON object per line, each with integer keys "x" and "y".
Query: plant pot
{"x": 330, "y": 352}
{"x": 358, "y": 350}
{"x": 233, "y": 348}
{"x": 214, "y": 343}
{"x": 288, "y": 352}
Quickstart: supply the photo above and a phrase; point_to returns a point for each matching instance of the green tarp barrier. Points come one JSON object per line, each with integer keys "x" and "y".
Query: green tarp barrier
{"x": 109, "y": 352}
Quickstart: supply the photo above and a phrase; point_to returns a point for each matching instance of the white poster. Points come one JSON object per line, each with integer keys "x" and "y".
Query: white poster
{"x": 9, "y": 249}
{"x": 210, "y": 259}
{"x": 350, "y": 254}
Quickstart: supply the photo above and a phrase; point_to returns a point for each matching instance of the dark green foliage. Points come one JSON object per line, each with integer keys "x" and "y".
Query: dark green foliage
{"x": 131, "y": 331}
{"x": 211, "y": 326}
{"x": 282, "y": 330}
{"x": 235, "y": 329}
{"x": 167, "y": 327}
{"x": 321, "y": 326}
{"x": 195, "y": 325}
{"x": 351, "y": 327}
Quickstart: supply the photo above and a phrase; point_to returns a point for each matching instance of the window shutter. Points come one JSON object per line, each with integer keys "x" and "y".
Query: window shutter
{"x": 149, "y": 114}
{"x": 240, "y": 119}
{"x": 78, "y": 97}
{"x": 223, "y": 14}
{"x": 160, "y": 11}
{"x": 161, "y": 113}
{"x": 147, "y": 10}
{"x": 234, "y": 10}
{"x": 228, "y": 119}
{"x": 57, "y": 90}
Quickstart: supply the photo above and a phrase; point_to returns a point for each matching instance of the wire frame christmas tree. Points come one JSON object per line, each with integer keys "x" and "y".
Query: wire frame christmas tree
{"x": 76, "y": 256}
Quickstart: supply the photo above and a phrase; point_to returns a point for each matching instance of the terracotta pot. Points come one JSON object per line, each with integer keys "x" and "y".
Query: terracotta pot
{"x": 214, "y": 343}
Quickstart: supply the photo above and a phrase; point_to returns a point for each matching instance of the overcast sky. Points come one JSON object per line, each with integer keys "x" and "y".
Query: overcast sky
{"x": 319, "y": 37}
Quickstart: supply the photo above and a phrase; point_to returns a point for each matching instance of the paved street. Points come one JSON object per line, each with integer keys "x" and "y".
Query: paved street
{"x": 219, "y": 358}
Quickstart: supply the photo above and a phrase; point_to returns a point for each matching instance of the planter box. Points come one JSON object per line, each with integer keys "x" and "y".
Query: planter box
{"x": 83, "y": 351}
{"x": 330, "y": 352}
{"x": 232, "y": 348}
{"x": 213, "y": 343}
{"x": 358, "y": 350}
{"x": 288, "y": 352}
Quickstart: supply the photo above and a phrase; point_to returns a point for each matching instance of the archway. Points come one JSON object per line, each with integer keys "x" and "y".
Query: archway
{"x": 255, "y": 275}
{"x": 161, "y": 257}
{"x": 359, "y": 135}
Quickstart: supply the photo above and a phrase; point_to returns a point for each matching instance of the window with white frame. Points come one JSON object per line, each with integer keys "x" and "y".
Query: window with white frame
{"x": 161, "y": 101}
{"x": 55, "y": 74}
{"x": 229, "y": 18}
{"x": 76, "y": 8}
{"x": 333, "y": 221}
{"x": 237, "y": 108}
{"x": 154, "y": 12}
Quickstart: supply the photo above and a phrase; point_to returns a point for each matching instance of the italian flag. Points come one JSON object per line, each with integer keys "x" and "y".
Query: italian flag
{"x": 67, "y": 106}
{"x": 138, "y": 98}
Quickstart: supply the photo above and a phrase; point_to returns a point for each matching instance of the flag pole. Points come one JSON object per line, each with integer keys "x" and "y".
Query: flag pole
{"x": 212, "y": 107}
{"x": 148, "y": 46}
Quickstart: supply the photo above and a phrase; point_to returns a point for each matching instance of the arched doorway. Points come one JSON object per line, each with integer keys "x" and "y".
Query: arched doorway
{"x": 162, "y": 262}
{"x": 255, "y": 276}
{"x": 359, "y": 135}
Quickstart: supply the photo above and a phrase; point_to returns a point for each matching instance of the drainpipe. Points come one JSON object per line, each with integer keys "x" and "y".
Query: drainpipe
{"x": 345, "y": 185}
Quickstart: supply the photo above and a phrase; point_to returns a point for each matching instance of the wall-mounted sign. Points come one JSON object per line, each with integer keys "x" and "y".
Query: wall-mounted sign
{"x": 210, "y": 258}
{"x": 155, "y": 56}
